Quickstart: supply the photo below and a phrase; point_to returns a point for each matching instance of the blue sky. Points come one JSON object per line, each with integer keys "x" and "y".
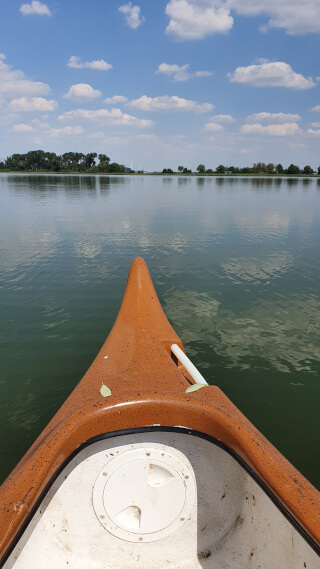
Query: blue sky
{"x": 162, "y": 83}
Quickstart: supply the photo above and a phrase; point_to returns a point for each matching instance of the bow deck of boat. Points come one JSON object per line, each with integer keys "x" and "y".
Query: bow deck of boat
{"x": 217, "y": 493}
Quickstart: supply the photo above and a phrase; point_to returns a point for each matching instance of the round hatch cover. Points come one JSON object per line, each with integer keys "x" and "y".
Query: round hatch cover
{"x": 144, "y": 494}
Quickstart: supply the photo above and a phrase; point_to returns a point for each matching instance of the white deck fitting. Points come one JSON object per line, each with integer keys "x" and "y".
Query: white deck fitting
{"x": 144, "y": 494}
{"x": 190, "y": 367}
{"x": 229, "y": 521}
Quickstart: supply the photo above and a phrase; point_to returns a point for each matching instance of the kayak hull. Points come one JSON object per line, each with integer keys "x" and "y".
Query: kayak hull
{"x": 148, "y": 392}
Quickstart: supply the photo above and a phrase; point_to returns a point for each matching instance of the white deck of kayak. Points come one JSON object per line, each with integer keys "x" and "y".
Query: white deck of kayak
{"x": 155, "y": 500}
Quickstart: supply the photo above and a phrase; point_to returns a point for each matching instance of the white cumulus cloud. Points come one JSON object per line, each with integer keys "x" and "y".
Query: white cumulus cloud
{"x": 294, "y": 16}
{"x": 67, "y": 131}
{"x": 115, "y": 116}
{"x": 197, "y": 19}
{"x": 22, "y": 127}
{"x": 273, "y": 117}
{"x": 166, "y": 103}
{"x": 194, "y": 20}
{"x": 35, "y": 7}
{"x": 33, "y": 104}
{"x": 286, "y": 129}
{"x": 115, "y": 99}
{"x": 14, "y": 83}
{"x": 212, "y": 127}
{"x": 316, "y": 109}
{"x": 315, "y": 131}
{"x": 132, "y": 15}
{"x": 82, "y": 92}
{"x": 76, "y": 63}
{"x": 180, "y": 73}
{"x": 272, "y": 74}
{"x": 222, "y": 119}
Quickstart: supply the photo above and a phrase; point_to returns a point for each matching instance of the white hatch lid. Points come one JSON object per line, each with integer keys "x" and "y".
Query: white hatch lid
{"x": 144, "y": 494}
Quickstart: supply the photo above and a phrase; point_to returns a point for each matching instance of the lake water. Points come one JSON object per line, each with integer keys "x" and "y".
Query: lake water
{"x": 235, "y": 262}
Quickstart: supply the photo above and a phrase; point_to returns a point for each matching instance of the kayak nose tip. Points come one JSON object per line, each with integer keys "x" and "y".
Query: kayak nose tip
{"x": 139, "y": 268}
{"x": 138, "y": 261}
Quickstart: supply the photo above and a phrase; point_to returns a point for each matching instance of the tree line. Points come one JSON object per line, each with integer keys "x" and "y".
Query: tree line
{"x": 257, "y": 168}
{"x": 38, "y": 160}
{"x": 41, "y": 161}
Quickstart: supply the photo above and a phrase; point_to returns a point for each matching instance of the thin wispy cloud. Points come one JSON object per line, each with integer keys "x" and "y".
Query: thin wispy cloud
{"x": 286, "y": 129}
{"x": 100, "y": 65}
{"x": 132, "y": 15}
{"x": 115, "y": 116}
{"x": 272, "y": 74}
{"x": 273, "y": 117}
{"x": 35, "y": 8}
{"x": 21, "y": 127}
{"x": 180, "y": 73}
{"x": 66, "y": 131}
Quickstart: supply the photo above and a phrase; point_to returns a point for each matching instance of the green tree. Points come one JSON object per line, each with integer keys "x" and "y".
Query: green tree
{"x": 35, "y": 160}
{"x": 116, "y": 168}
{"x": 279, "y": 169}
{"x": 104, "y": 158}
{"x": 52, "y": 161}
{"x": 220, "y": 169}
{"x": 38, "y": 160}
{"x": 270, "y": 168}
{"x": 73, "y": 161}
{"x": 89, "y": 159}
{"x": 201, "y": 168}
{"x": 104, "y": 163}
{"x": 16, "y": 162}
{"x": 293, "y": 169}
{"x": 308, "y": 171}
{"x": 67, "y": 159}
{"x": 259, "y": 168}
{"x": 180, "y": 168}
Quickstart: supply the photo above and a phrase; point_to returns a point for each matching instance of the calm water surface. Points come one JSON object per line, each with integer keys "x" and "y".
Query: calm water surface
{"x": 236, "y": 264}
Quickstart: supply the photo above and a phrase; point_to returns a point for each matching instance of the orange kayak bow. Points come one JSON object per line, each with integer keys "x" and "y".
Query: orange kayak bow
{"x": 137, "y": 470}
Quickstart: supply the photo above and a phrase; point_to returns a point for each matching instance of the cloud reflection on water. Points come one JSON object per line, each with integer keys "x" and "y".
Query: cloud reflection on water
{"x": 257, "y": 270}
{"x": 25, "y": 250}
{"x": 281, "y": 334}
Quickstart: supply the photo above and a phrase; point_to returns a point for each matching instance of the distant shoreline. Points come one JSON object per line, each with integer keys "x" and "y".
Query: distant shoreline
{"x": 164, "y": 175}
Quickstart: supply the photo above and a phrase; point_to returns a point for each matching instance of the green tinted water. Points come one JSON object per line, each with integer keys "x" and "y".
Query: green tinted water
{"x": 236, "y": 264}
